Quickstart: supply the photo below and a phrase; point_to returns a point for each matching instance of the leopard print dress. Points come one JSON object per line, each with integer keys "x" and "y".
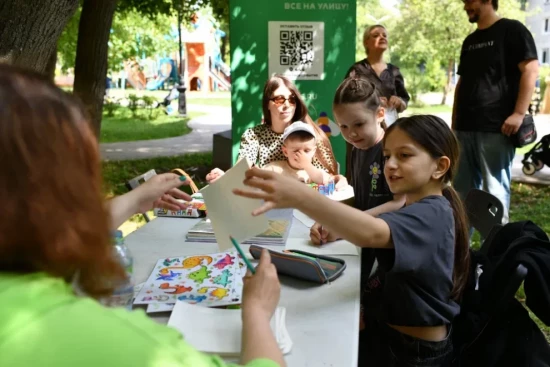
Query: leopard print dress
{"x": 262, "y": 145}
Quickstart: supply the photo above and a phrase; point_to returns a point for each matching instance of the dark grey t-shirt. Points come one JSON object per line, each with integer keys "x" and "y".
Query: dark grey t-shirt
{"x": 413, "y": 282}
{"x": 490, "y": 76}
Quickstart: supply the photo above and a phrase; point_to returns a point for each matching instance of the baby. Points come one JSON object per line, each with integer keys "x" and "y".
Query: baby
{"x": 299, "y": 147}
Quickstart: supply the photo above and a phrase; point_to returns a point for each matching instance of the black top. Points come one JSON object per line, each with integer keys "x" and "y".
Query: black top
{"x": 389, "y": 83}
{"x": 367, "y": 177}
{"x": 371, "y": 190}
{"x": 489, "y": 74}
{"x": 413, "y": 282}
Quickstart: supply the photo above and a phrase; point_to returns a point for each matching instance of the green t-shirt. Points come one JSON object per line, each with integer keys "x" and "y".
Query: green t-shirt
{"x": 43, "y": 323}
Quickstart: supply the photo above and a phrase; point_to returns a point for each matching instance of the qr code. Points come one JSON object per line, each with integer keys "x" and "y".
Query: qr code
{"x": 296, "y": 48}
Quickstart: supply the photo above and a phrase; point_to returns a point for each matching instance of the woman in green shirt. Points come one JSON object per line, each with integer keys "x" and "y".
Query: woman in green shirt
{"x": 55, "y": 224}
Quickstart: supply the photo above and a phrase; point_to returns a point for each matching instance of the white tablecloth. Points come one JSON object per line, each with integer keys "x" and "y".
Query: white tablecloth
{"x": 323, "y": 321}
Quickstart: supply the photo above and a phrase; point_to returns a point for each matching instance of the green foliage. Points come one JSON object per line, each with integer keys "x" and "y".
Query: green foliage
{"x": 544, "y": 72}
{"x": 66, "y": 45}
{"x": 134, "y": 35}
{"x": 432, "y": 32}
{"x": 116, "y": 173}
{"x": 153, "y": 8}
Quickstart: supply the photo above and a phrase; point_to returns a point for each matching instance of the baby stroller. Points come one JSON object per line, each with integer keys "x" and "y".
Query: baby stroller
{"x": 535, "y": 159}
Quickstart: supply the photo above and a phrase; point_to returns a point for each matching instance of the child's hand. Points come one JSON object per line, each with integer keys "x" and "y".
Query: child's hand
{"x": 302, "y": 160}
{"x": 276, "y": 190}
{"x": 320, "y": 235}
{"x": 341, "y": 182}
{"x": 214, "y": 175}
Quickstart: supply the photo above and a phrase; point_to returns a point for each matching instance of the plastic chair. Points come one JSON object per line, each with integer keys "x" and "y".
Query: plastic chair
{"x": 484, "y": 210}
{"x": 136, "y": 181}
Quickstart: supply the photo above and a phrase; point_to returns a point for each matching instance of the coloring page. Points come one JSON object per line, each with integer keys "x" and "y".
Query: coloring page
{"x": 209, "y": 280}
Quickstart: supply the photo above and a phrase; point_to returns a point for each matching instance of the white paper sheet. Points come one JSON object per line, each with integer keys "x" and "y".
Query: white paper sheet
{"x": 159, "y": 307}
{"x": 307, "y": 221}
{"x": 231, "y": 215}
{"x": 340, "y": 247}
{"x": 218, "y": 331}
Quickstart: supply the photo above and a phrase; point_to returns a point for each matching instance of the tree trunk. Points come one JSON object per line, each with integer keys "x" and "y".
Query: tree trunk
{"x": 448, "y": 85}
{"x": 29, "y": 32}
{"x": 52, "y": 62}
{"x": 91, "y": 56}
{"x": 223, "y": 48}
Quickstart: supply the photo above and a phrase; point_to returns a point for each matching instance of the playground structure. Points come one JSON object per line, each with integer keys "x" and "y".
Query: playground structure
{"x": 204, "y": 67}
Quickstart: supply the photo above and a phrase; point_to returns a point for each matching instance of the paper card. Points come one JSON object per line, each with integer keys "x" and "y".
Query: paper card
{"x": 340, "y": 247}
{"x": 231, "y": 215}
{"x": 209, "y": 280}
{"x": 218, "y": 331}
{"x": 307, "y": 221}
{"x": 159, "y": 307}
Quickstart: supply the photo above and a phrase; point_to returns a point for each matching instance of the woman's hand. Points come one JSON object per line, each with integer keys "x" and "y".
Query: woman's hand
{"x": 319, "y": 235}
{"x": 397, "y": 103}
{"x": 277, "y": 191}
{"x": 340, "y": 182}
{"x": 160, "y": 191}
{"x": 262, "y": 290}
{"x": 214, "y": 175}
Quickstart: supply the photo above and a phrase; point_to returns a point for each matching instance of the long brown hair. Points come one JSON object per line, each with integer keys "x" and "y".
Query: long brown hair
{"x": 54, "y": 218}
{"x": 301, "y": 113}
{"x": 434, "y": 135}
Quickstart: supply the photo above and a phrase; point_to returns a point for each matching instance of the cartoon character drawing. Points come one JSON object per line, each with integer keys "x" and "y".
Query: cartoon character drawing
{"x": 191, "y": 262}
{"x": 188, "y": 263}
{"x": 223, "y": 278}
{"x": 226, "y": 261}
{"x": 219, "y": 293}
{"x": 168, "y": 261}
{"x": 156, "y": 298}
{"x": 177, "y": 289}
{"x": 165, "y": 274}
{"x": 327, "y": 125}
{"x": 192, "y": 298}
{"x": 200, "y": 275}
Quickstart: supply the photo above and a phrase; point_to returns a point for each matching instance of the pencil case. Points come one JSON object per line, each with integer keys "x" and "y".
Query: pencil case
{"x": 303, "y": 265}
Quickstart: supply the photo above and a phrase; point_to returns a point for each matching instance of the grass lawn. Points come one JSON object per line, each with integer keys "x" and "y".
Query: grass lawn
{"x": 531, "y": 202}
{"x": 427, "y": 110}
{"x": 123, "y": 127}
{"x": 193, "y": 98}
{"x": 528, "y": 201}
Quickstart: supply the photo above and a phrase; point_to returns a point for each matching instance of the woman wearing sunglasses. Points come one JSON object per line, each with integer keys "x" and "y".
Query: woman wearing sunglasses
{"x": 282, "y": 105}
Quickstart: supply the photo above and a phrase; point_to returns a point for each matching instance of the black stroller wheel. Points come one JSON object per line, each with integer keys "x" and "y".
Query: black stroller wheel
{"x": 538, "y": 164}
{"x": 529, "y": 168}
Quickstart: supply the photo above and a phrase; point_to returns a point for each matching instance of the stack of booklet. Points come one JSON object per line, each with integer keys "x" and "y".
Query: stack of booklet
{"x": 279, "y": 221}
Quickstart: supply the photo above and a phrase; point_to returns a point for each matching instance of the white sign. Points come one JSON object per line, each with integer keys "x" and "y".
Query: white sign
{"x": 296, "y": 49}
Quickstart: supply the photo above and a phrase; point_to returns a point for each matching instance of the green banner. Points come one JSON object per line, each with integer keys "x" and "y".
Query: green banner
{"x": 311, "y": 42}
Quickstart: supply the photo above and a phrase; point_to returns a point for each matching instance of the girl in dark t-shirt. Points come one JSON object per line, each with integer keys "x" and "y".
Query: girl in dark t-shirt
{"x": 358, "y": 112}
{"x": 422, "y": 249}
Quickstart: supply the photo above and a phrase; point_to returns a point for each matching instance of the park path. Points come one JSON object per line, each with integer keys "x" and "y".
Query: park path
{"x": 215, "y": 119}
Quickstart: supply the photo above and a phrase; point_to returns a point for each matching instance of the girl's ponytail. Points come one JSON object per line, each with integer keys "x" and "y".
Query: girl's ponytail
{"x": 462, "y": 243}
